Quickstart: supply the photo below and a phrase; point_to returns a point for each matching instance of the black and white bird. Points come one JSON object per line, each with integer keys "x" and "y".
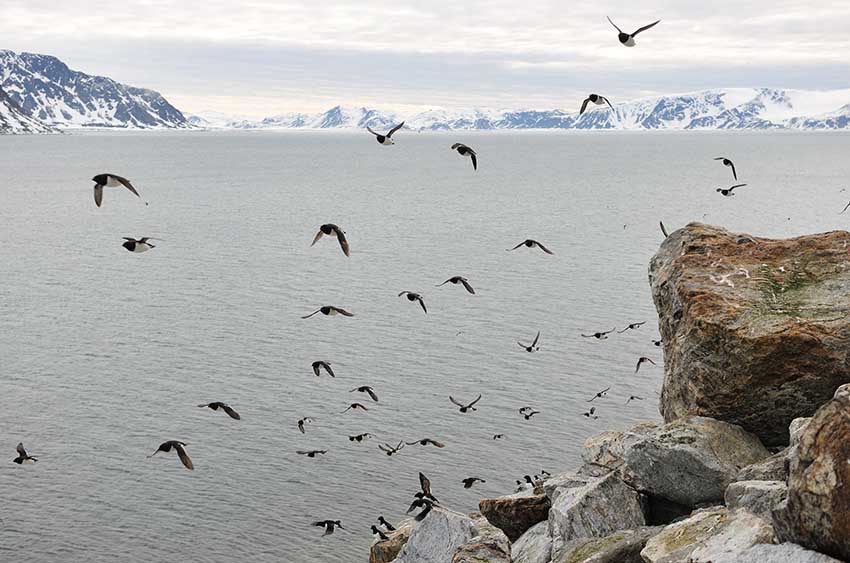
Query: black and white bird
{"x": 465, "y": 408}
{"x": 302, "y": 422}
{"x": 180, "y": 448}
{"x": 498, "y": 436}
{"x": 533, "y": 347}
{"x": 595, "y": 99}
{"x": 329, "y": 526}
{"x": 469, "y": 481}
{"x": 531, "y": 244}
{"x": 360, "y": 437}
{"x": 366, "y": 389}
{"x": 311, "y": 453}
{"x": 391, "y": 450}
{"x": 354, "y": 406}
{"x": 599, "y": 335}
{"x": 225, "y": 407}
{"x": 467, "y": 152}
{"x": 379, "y": 535}
{"x": 633, "y": 398}
{"x": 331, "y": 230}
{"x": 110, "y": 181}
{"x": 728, "y": 192}
{"x": 23, "y": 456}
{"x": 386, "y": 139}
{"x": 633, "y": 326}
{"x": 599, "y": 395}
{"x": 425, "y": 486}
{"x": 330, "y": 311}
{"x": 427, "y": 442}
{"x": 425, "y": 504}
{"x": 591, "y": 413}
{"x": 628, "y": 39}
{"x": 387, "y": 526}
{"x": 642, "y": 360}
{"x": 411, "y": 296}
{"x": 138, "y": 245}
{"x": 321, "y": 364}
{"x": 459, "y": 280}
{"x": 657, "y": 342}
{"x": 730, "y": 164}
{"x": 529, "y": 413}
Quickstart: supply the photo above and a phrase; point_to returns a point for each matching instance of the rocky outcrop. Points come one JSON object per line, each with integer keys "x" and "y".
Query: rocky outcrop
{"x": 387, "y": 550}
{"x": 756, "y": 331}
{"x": 514, "y": 514}
{"x": 758, "y": 497}
{"x": 769, "y": 469}
{"x": 437, "y": 537}
{"x": 743, "y": 530}
{"x": 677, "y": 541}
{"x": 535, "y": 546}
{"x": 816, "y": 513}
{"x": 620, "y": 547}
{"x": 783, "y": 553}
{"x": 489, "y": 546}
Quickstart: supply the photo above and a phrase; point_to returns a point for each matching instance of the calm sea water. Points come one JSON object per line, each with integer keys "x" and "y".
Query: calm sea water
{"x": 104, "y": 354}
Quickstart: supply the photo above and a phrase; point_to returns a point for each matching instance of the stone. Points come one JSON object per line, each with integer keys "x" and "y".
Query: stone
{"x": 436, "y": 538}
{"x": 782, "y": 553}
{"x": 796, "y": 428}
{"x": 556, "y": 484}
{"x": 489, "y": 546}
{"x": 676, "y": 542}
{"x": 770, "y": 469}
{"x": 816, "y": 513}
{"x": 597, "y": 509}
{"x": 514, "y": 514}
{"x": 690, "y": 461}
{"x": 608, "y": 449}
{"x": 623, "y": 546}
{"x": 758, "y": 497}
{"x": 743, "y": 530}
{"x": 755, "y": 331}
{"x": 535, "y": 545}
{"x": 386, "y": 551}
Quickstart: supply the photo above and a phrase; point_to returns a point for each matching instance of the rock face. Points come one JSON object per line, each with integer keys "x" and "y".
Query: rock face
{"x": 386, "y": 551}
{"x": 535, "y": 546}
{"x": 489, "y": 546}
{"x": 770, "y": 469}
{"x": 677, "y": 541}
{"x": 514, "y": 514}
{"x": 758, "y": 497}
{"x": 784, "y": 553}
{"x": 437, "y": 537}
{"x": 755, "y": 331}
{"x": 690, "y": 461}
{"x": 816, "y": 514}
{"x": 620, "y": 547}
{"x": 743, "y": 531}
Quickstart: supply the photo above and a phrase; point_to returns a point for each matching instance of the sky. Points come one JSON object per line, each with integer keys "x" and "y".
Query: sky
{"x": 256, "y": 58}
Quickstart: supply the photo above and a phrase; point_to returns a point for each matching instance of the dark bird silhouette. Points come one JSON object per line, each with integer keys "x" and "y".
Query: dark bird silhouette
{"x": 389, "y": 527}
{"x": 465, "y": 151}
{"x": 179, "y": 447}
{"x": 320, "y": 364}
{"x": 465, "y": 408}
{"x": 329, "y": 526}
{"x": 411, "y": 296}
{"x": 390, "y": 450}
{"x": 366, "y": 389}
{"x": 633, "y": 398}
{"x": 628, "y": 39}
{"x": 545, "y": 473}
{"x": 137, "y": 245}
{"x": 331, "y": 230}
{"x": 730, "y": 164}
{"x": 311, "y": 453}
{"x": 226, "y": 408}
{"x": 663, "y": 230}
{"x": 498, "y": 436}
{"x": 354, "y": 406}
{"x": 529, "y": 414}
{"x": 426, "y": 442}
{"x": 728, "y": 192}
{"x": 459, "y": 280}
{"x": 110, "y": 181}
{"x": 599, "y": 335}
{"x": 469, "y": 481}
{"x": 379, "y": 535}
{"x": 591, "y": 413}
{"x": 657, "y": 342}
{"x": 633, "y": 326}
{"x": 23, "y": 456}
{"x": 424, "y": 503}
{"x": 531, "y": 244}
{"x": 533, "y": 347}
{"x": 386, "y": 139}
{"x": 302, "y": 421}
{"x": 330, "y": 311}
{"x": 360, "y": 437}
{"x": 425, "y": 485}
{"x": 845, "y": 209}
{"x": 641, "y": 361}
{"x": 595, "y": 99}
{"x": 599, "y": 395}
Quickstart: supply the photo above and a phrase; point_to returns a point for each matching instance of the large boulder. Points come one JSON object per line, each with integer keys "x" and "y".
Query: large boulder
{"x": 758, "y": 497}
{"x": 489, "y": 546}
{"x": 676, "y": 542}
{"x": 743, "y": 530}
{"x": 756, "y": 331}
{"x": 623, "y": 546}
{"x": 817, "y": 512}
{"x": 769, "y": 469}
{"x": 783, "y": 553}
{"x": 608, "y": 450}
{"x": 535, "y": 546}
{"x": 436, "y": 538}
{"x": 690, "y": 461}
{"x": 386, "y": 551}
{"x": 514, "y": 514}
{"x": 597, "y": 509}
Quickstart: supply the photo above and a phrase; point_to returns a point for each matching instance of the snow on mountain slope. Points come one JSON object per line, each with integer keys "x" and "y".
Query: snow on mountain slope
{"x": 13, "y": 121}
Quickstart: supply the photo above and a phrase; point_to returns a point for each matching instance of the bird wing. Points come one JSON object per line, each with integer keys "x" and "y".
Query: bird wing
{"x": 607, "y": 102}
{"x": 98, "y": 194}
{"x": 403, "y": 293}
{"x": 543, "y": 248}
{"x": 845, "y": 208}
{"x": 422, "y": 302}
{"x": 342, "y": 312}
{"x": 231, "y": 413}
{"x": 476, "y": 400}
{"x": 318, "y": 237}
{"x": 444, "y": 283}
{"x": 517, "y": 246}
{"x": 436, "y": 443}
{"x": 301, "y": 426}
{"x": 425, "y": 483}
{"x": 316, "y": 368}
{"x": 644, "y": 28}
{"x": 457, "y": 146}
{"x": 372, "y": 394}
{"x": 583, "y": 106}
{"x": 372, "y": 132}
{"x": 20, "y": 449}
{"x": 343, "y": 242}
{"x": 126, "y": 183}
{"x": 184, "y": 457}
{"x": 311, "y": 314}
{"x": 737, "y": 186}
{"x": 663, "y": 230}
{"x": 394, "y": 129}
{"x": 474, "y": 159}
{"x": 453, "y": 400}
{"x": 536, "y": 338}
{"x": 329, "y": 369}
{"x": 639, "y": 362}
{"x": 622, "y": 331}
{"x": 615, "y": 25}
{"x": 467, "y": 286}
{"x": 734, "y": 172}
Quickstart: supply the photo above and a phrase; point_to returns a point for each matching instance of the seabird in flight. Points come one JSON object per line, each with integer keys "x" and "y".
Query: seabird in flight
{"x": 311, "y": 453}
{"x": 331, "y": 230}
{"x": 426, "y": 442}
{"x": 529, "y": 413}
{"x": 329, "y": 526}
{"x": 628, "y": 39}
{"x": 657, "y": 342}
{"x": 23, "y": 457}
{"x": 533, "y": 347}
{"x": 465, "y": 408}
{"x": 599, "y": 395}
{"x": 138, "y": 245}
{"x": 331, "y": 311}
{"x": 633, "y": 326}
{"x": 599, "y": 101}
{"x": 498, "y": 436}
{"x": 354, "y": 406}
{"x": 390, "y": 450}
{"x": 641, "y": 361}
{"x": 360, "y": 437}
{"x": 179, "y": 447}
{"x": 411, "y": 296}
{"x": 226, "y": 408}
{"x": 591, "y": 413}
{"x": 110, "y": 181}
{"x": 531, "y": 244}
{"x": 366, "y": 389}
{"x": 728, "y": 192}
{"x": 303, "y": 421}
{"x": 730, "y": 164}
{"x": 633, "y": 398}
{"x": 319, "y": 364}
{"x": 459, "y": 280}
{"x": 386, "y": 139}
{"x": 425, "y": 504}
{"x": 463, "y": 150}
{"x": 469, "y": 481}
{"x": 599, "y": 335}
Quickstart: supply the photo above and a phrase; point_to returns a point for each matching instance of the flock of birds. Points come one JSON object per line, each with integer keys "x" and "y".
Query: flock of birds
{"x": 424, "y": 499}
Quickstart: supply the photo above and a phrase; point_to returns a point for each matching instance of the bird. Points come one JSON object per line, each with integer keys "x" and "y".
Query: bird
{"x": 23, "y": 456}
{"x": 465, "y": 408}
{"x": 366, "y": 389}
{"x": 633, "y": 398}
{"x": 545, "y": 473}
{"x": 379, "y": 535}
{"x": 463, "y": 150}
{"x": 459, "y": 280}
{"x": 628, "y": 39}
{"x": 633, "y": 326}
{"x": 845, "y": 209}
{"x": 354, "y": 406}
{"x": 591, "y": 413}
{"x": 600, "y": 335}
{"x": 319, "y": 364}
{"x": 425, "y": 485}
{"x": 641, "y": 361}
{"x": 329, "y": 526}
{"x": 331, "y": 230}
{"x": 226, "y": 408}
{"x": 303, "y": 421}
{"x": 599, "y": 395}
{"x": 137, "y": 245}
{"x": 179, "y": 447}
{"x": 390, "y": 450}
{"x": 110, "y": 181}
{"x": 730, "y": 164}
{"x": 728, "y": 192}
{"x": 469, "y": 481}
{"x": 311, "y": 453}
{"x": 596, "y": 99}
{"x": 523, "y": 410}
{"x": 411, "y": 296}
{"x": 658, "y": 342}
{"x": 498, "y": 436}
{"x": 423, "y": 503}
{"x": 531, "y": 244}
{"x": 330, "y": 311}
{"x": 389, "y": 527}
{"x": 533, "y": 347}
{"x": 529, "y": 414}
{"x": 427, "y": 442}
{"x": 386, "y": 139}
{"x": 663, "y": 229}
{"x": 360, "y": 437}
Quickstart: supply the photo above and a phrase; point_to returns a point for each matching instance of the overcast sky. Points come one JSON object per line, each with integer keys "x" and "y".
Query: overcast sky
{"x": 261, "y": 57}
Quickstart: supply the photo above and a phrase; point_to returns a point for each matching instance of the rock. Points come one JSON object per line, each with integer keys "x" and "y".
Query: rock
{"x": 756, "y": 348}
{"x": 597, "y": 509}
{"x": 514, "y": 514}
{"x": 676, "y": 542}
{"x": 743, "y": 530}
{"x": 535, "y": 545}
{"x": 690, "y": 461}
{"x": 796, "y": 428}
{"x": 608, "y": 449}
{"x": 816, "y": 513}
{"x": 489, "y": 546}
{"x": 783, "y": 553}
{"x": 770, "y": 469}
{"x": 386, "y": 551}
{"x": 556, "y": 484}
{"x": 758, "y": 497}
{"x": 620, "y": 547}
{"x": 437, "y": 537}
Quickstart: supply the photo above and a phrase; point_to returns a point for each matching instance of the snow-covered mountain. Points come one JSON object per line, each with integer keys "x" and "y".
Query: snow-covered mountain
{"x": 13, "y": 120}
{"x": 732, "y": 108}
{"x": 45, "y": 89}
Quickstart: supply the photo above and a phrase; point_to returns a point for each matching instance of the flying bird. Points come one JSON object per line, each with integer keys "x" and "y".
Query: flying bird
{"x": 138, "y": 245}
{"x": 179, "y": 447}
{"x": 469, "y": 481}
{"x": 426, "y": 442}
{"x": 459, "y": 280}
{"x": 591, "y": 413}
{"x": 411, "y": 296}
{"x": 529, "y": 414}
{"x": 226, "y": 408}
{"x": 329, "y": 526}
{"x": 331, "y": 230}
{"x": 330, "y": 311}
{"x": 425, "y": 485}
{"x": 465, "y": 151}
{"x": 599, "y": 335}
{"x": 465, "y": 408}
{"x": 595, "y": 99}
{"x": 633, "y": 398}
{"x": 354, "y": 406}
{"x": 390, "y": 450}
{"x": 728, "y": 192}
{"x": 319, "y": 365}
{"x": 641, "y": 361}
{"x": 23, "y": 456}
{"x": 845, "y": 209}
{"x": 628, "y": 39}
{"x": 303, "y": 421}
{"x": 599, "y": 395}
{"x": 663, "y": 230}
{"x": 633, "y": 326}
{"x": 657, "y": 342}
{"x": 531, "y": 244}
{"x": 366, "y": 389}
{"x": 311, "y": 453}
{"x": 498, "y": 436}
{"x": 360, "y": 437}
{"x": 379, "y": 535}
{"x": 386, "y": 139}
{"x": 533, "y": 347}
{"x": 730, "y": 164}
{"x": 110, "y": 181}
{"x": 387, "y": 526}
{"x": 425, "y": 504}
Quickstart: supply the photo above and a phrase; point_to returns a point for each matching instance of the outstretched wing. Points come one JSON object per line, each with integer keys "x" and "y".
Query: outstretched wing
{"x": 231, "y": 413}
{"x": 466, "y": 283}
{"x": 394, "y": 129}
{"x": 453, "y": 400}
{"x": 343, "y": 242}
{"x": 184, "y": 457}
{"x": 422, "y": 302}
{"x": 343, "y": 312}
{"x": 318, "y": 237}
{"x": 517, "y": 246}
{"x": 372, "y": 394}
{"x": 425, "y": 483}
{"x": 98, "y": 194}
{"x": 372, "y": 132}
{"x": 311, "y": 314}
{"x": 20, "y": 449}
{"x": 607, "y": 102}
{"x": 734, "y": 172}
{"x": 544, "y": 249}
{"x": 583, "y": 106}
{"x": 476, "y": 400}
{"x": 615, "y": 25}
{"x": 536, "y": 338}
{"x": 663, "y": 230}
{"x": 737, "y": 186}
{"x": 474, "y": 159}
{"x": 644, "y": 28}
{"x": 126, "y": 183}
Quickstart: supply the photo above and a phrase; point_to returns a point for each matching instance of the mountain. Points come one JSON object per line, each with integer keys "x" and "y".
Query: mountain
{"x": 731, "y": 108}
{"x": 46, "y": 90}
{"x": 13, "y": 120}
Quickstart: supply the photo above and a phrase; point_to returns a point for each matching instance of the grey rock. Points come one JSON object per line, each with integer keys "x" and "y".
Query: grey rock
{"x": 676, "y": 542}
{"x": 489, "y": 546}
{"x": 743, "y": 530}
{"x": 770, "y": 469}
{"x": 608, "y": 450}
{"x": 557, "y": 484}
{"x": 782, "y": 553}
{"x": 534, "y": 546}
{"x": 514, "y": 514}
{"x": 758, "y": 497}
{"x": 796, "y": 428}
{"x": 436, "y": 538}
{"x": 623, "y": 546}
